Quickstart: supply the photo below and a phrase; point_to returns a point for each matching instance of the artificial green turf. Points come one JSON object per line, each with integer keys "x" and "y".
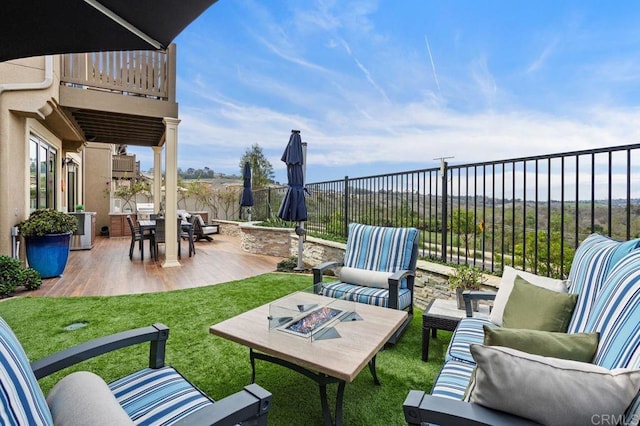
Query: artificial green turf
{"x": 217, "y": 366}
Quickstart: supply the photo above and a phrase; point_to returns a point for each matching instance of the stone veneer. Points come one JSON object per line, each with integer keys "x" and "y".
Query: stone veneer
{"x": 431, "y": 278}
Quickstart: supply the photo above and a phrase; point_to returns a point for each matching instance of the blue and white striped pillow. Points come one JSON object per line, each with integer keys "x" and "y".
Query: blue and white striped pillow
{"x": 379, "y": 248}
{"x": 21, "y": 400}
{"x": 592, "y": 263}
{"x": 616, "y": 316}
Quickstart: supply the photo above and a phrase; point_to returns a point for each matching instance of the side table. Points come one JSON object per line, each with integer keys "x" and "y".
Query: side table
{"x": 443, "y": 314}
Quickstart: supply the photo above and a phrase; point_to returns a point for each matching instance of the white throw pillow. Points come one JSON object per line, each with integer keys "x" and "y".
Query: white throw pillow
{"x": 365, "y": 277}
{"x": 83, "y": 398}
{"x": 506, "y": 285}
{"x": 550, "y": 391}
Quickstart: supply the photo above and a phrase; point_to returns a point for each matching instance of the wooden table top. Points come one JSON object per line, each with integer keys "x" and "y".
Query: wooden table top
{"x": 342, "y": 358}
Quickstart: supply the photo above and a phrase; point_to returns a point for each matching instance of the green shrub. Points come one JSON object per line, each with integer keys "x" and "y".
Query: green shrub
{"x": 13, "y": 274}
{"x": 287, "y": 265}
{"x": 47, "y": 221}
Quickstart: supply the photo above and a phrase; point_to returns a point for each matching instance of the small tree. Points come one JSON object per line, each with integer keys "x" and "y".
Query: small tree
{"x": 463, "y": 224}
{"x": 228, "y": 200}
{"x": 261, "y": 168}
{"x": 129, "y": 192}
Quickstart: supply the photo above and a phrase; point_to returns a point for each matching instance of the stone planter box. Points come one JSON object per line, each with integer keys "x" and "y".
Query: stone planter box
{"x": 265, "y": 240}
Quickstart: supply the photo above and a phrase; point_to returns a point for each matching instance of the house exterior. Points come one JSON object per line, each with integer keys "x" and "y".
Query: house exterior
{"x": 62, "y": 119}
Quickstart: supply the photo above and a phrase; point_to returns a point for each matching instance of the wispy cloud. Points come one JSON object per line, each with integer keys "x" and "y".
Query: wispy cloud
{"x": 364, "y": 70}
{"x": 542, "y": 58}
{"x": 483, "y": 78}
{"x": 433, "y": 65}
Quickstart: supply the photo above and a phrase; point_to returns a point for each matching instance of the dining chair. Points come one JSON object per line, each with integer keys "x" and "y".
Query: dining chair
{"x": 160, "y": 235}
{"x": 137, "y": 235}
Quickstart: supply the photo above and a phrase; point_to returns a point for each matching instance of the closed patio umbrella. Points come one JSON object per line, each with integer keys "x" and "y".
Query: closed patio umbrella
{"x": 246, "y": 200}
{"x": 294, "y": 206}
{"x": 36, "y": 27}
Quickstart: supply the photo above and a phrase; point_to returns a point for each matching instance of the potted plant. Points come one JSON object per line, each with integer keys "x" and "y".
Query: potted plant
{"x": 79, "y": 208}
{"x": 47, "y": 236}
{"x": 465, "y": 277}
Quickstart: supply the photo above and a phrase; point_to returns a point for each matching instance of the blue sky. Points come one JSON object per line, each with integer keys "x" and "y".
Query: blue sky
{"x": 384, "y": 86}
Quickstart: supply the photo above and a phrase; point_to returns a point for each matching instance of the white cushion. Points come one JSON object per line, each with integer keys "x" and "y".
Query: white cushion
{"x": 506, "y": 285}
{"x": 365, "y": 277}
{"x": 549, "y": 391}
{"x": 83, "y": 398}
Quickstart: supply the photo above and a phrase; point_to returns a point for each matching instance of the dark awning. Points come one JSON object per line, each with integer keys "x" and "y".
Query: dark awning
{"x": 36, "y": 27}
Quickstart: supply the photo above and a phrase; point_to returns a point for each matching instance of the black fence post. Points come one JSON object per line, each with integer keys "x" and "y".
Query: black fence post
{"x": 268, "y": 203}
{"x": 346, "y": 206}
{"x": 443, "y": 220}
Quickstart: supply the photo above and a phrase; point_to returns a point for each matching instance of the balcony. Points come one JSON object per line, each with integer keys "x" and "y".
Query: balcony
{"x": 119, "y": 97}
{"x": 124, "y": 166}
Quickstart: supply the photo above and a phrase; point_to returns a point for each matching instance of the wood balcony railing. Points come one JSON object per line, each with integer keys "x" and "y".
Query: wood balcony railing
{"x": 137, "y": 73}
{"x": 124, "y": 166}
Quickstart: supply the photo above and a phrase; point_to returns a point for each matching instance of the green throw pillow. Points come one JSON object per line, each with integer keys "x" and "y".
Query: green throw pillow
{"x": 537, "y": 308}
{"x": 576, "y": 346}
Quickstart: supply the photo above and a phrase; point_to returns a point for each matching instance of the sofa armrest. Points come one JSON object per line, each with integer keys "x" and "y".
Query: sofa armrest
{"x": 319, "y": 270}
{"x": 156, "y": 334}
{"x": 420, "y": 408}
{"x": 470, "y": 295}
{"x": 250, "y": 405}
{"x": 394, "y": 285}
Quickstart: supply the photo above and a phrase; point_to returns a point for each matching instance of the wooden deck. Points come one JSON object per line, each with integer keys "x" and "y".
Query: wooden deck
{"x": 106, "y": 269}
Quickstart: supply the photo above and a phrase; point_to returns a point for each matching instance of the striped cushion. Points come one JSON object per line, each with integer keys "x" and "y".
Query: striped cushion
{"x": 592, "y": 262}
{"x": 633, "y": 412}
{"x": 469, "y": 331}
{"x": 158, "y": 396}
{"x": 453, "y": 380}
{"x": 379, "y": 248}
{"x": 616, "y": 315}
{"x": 369, "y": 295}
{"x": 21, "y": 400}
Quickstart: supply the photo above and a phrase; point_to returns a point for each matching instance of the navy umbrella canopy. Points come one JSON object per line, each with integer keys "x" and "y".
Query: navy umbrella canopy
{"x": 293, "y": 207}
{"x": 246, "y": 200}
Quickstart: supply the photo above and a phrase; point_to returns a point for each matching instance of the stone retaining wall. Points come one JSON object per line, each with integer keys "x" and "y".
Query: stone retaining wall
{"x": 431, "y": 278}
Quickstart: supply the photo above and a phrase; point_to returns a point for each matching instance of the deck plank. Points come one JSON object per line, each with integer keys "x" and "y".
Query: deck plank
{"x": 106, "y": 269}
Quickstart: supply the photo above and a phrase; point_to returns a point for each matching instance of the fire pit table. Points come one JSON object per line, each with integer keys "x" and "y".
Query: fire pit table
{"x": 327, "y": 340}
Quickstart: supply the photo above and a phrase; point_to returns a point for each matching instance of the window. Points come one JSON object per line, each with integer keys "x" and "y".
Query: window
{"x": 42, "y": 170}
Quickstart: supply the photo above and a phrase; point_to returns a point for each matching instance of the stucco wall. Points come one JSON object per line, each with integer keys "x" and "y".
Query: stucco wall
{"x": 97, "y": 173}
{"x": 17, "y": 109}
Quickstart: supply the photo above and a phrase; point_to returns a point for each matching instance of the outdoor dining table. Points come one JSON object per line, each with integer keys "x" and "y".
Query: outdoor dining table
{"x": 150, "y": 226}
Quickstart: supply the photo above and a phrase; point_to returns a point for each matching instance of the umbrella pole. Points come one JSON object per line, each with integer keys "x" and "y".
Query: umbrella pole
{"x": 300, "y": 241}
{"x": 300, "y": 267}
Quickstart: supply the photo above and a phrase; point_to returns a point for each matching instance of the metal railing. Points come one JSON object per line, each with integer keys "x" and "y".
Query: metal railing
{"x": 530, "y": 213}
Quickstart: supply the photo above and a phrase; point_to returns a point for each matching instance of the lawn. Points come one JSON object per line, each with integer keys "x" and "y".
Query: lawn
{"x": 217, "y": 366}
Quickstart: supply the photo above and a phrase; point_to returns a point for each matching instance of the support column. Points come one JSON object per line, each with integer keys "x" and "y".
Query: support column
{"x": 171, "y": 191}
{"x": 157, "y": 178}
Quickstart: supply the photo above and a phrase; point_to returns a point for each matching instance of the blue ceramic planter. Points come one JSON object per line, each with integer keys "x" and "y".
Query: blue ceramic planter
{"x": 48, "y": 254}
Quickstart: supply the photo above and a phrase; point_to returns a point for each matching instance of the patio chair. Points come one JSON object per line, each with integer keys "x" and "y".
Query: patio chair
{"x": 137, "y": 235}
{"x": 155, "y": 395}
{"x": 160, "y": 235}
{"x": 379, "y": 268}
{"x": 202, "y": 231}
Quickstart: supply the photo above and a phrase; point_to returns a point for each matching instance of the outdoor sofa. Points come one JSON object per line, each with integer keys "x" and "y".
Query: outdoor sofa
{"x": 489, "y": 377}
